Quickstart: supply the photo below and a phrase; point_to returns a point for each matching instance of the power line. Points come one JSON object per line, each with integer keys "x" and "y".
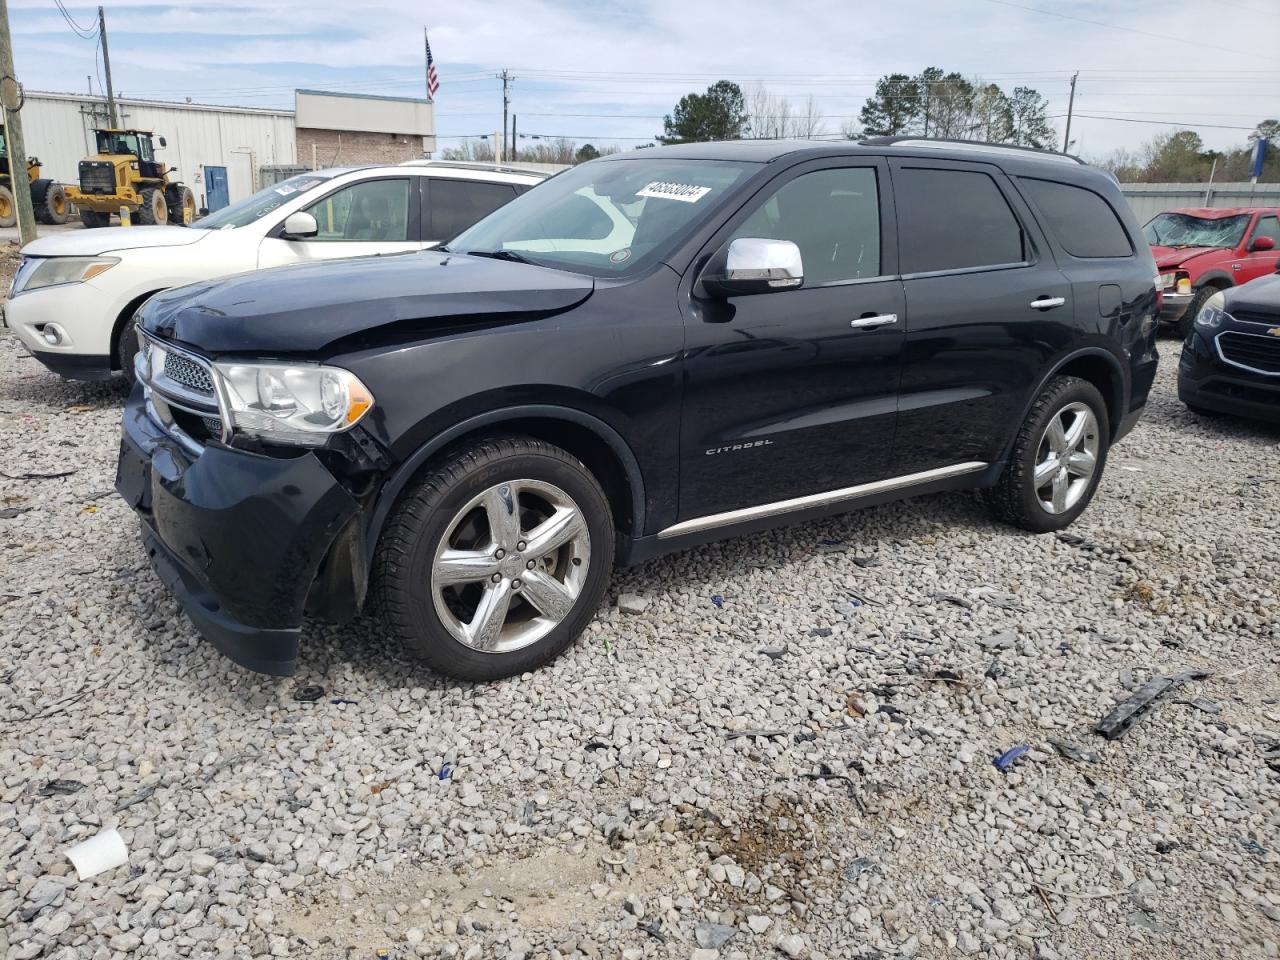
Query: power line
{"x": 1145, "y": 33}
{"x": 83, "y": 32}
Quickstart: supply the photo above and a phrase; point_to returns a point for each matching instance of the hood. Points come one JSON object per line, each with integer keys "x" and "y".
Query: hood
{"x": 301, "y": 309}
{"x": 90, "y": 243}
{"x": 1258, "y": 296}
{"x": 1176, "y": 256}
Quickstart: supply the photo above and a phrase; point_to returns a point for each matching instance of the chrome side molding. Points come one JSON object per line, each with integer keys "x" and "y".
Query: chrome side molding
{"x": 780, "y": 507}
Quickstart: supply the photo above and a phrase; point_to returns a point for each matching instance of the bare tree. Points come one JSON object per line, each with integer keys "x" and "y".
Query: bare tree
{"x": 772, "y": 117}
{"x": 473, "y": 150}
{"x": 808, "y": 121}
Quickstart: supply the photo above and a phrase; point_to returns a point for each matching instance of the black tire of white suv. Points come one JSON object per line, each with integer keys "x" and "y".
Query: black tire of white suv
{"x": 496, "y": 559}
{"x": 1057, "y": 458}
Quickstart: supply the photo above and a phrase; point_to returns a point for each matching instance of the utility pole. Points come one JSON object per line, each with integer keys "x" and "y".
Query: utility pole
{"x": 1071, "y": 103}
{"x": 106, "y": 66}
{"x": 11, "y": 99}
{"x": 506, "y": 79}
{"x": 514, "y": 146}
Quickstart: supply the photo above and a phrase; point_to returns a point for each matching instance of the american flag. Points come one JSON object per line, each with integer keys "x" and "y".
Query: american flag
{"x": 433, "y": 81}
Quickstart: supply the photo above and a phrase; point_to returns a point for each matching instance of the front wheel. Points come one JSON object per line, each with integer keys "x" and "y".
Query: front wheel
{"x": 154, "y": 209}
{"x": 127, "y": 350}
{"x": 1057, "y": 458}
{"x": 8, "y": 208}
{"x": 495, "y": 561}
{"x": 1188, "y": 318}
{"x": 92, "y": 219}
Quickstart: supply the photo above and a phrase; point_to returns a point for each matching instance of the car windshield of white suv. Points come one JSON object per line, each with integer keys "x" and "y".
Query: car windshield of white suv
{"x": 246, "y": 211}
{"x": 1184, "y": 230}
{"x": 606, "y": 218}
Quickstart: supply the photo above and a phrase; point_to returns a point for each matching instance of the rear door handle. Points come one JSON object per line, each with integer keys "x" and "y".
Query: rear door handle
{"x": 1047, "y": 303}
{"x": 879, "y": 320}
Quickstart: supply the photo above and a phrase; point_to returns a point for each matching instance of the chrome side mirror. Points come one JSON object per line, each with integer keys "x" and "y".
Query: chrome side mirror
{"x": 299, "y": 226}
{"x": 758, "y": 265}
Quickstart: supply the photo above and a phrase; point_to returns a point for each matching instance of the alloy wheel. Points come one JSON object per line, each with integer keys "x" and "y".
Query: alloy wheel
{"x": 510, "y": 566}
{"x": 1067, "y": 458}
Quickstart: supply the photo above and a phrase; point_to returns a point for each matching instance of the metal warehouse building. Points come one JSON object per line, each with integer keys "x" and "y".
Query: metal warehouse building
{"x": 226, "y": 153}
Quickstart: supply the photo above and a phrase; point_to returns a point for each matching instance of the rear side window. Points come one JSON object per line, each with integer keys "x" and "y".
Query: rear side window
{"x": 1083, "y": 222}
{"x": 954, "y": 220}
{"x": 458, "y": 204}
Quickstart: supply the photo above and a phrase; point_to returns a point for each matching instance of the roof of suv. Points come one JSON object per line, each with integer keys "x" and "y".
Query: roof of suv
{"x": 481, "y": 171}
{"x": 768, "y": 151}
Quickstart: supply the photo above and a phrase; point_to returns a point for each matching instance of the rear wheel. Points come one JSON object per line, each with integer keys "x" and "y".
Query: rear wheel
{"x": 56, "y": 206}
{"x": 181, "y": 201}
{"x": 93, "y": 218}
{"x": 1057, "y": 458}
{"x": 154, "y": 209}
{"x": 8, "y": 208}
{"x": 496, "y": 560}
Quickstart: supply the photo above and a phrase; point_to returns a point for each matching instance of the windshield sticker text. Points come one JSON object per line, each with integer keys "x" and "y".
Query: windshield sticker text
{"x": 684, "y": 192}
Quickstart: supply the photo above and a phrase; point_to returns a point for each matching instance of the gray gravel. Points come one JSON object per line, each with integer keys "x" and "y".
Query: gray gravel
{"x": 803, "y": 769}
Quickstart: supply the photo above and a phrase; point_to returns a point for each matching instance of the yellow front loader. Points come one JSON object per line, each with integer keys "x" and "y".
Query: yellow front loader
{"x": 125, "y": 173}
{"x": 48, "y": 198}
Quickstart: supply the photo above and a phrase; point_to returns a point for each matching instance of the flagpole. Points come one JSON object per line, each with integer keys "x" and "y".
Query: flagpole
{"x": 426, "y": 65}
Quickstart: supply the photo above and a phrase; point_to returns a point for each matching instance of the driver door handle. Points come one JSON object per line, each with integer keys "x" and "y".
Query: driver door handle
{"x": 1047, "y": 303}
{"x": 878, "y": 320}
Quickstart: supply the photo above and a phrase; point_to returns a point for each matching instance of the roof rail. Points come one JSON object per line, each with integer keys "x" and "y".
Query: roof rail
{"x": 950, "y": 142}
{"x": 479, "y": 165}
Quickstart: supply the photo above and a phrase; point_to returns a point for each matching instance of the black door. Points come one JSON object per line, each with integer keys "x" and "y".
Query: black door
{"x": 784, "y": 395}
{"x": 986, "y": 308}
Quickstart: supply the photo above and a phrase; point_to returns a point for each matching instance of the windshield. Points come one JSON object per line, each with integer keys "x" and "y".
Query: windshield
{"x": 605, "y": 218}
{"x": 1184, "y": 230}
{"x": 256, "y": 207}
{"x": 123, "y": 144}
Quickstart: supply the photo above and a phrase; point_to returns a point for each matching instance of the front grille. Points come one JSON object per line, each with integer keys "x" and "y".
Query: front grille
{"x": 1253, "y": 316}
{"x": 187, "y": 373}
{"x": 1257, "y": 352}
{"x": 97, "y": 177}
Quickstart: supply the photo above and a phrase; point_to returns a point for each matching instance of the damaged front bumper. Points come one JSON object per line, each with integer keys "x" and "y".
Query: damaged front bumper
{"x": 240, "y": 538}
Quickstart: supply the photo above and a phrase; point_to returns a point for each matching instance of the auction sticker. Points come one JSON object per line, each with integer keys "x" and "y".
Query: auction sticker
{"x": 684, "y": 192}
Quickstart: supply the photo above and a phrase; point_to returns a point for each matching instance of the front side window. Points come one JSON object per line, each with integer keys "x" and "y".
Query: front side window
{"x": 1268, "y": 227}
{"x": 833, "y": 216}
{"x": 1083, "y": 222}
{"x": 255, "y": 207}
{"x": 651, "y": 206}
{"x": 375, "y": 211}
{"x": 954, "y": 220}
{"x": 458, "y": 204}
{"x": 1184, "y": 230}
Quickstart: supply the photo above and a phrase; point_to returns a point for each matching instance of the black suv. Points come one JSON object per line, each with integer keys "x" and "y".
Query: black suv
{"x": 1230, "y": 361}
{"x": 645, "y": 352}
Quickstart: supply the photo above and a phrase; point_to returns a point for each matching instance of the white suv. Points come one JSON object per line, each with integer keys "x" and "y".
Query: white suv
{"x": 74, "y": 293}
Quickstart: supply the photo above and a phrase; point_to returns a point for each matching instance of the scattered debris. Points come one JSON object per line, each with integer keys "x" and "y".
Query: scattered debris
{"x": 1117, "y": 723}
{"x": 1007, "y": 759}
{"x": 1204, "y": 705}
{"x": 37, "y": 476}
{"x": 308, "y": 694}
{"x": 61, "y": 788}
{"x": 143, "y": 794}
{"x": 867, "y": 561}
{"x": 774, "y": 653}
{"x": 1253, "y": 846}
{"x": 101, "y": 852}
{"x": 1000, "y": 641}
{"x": 857, "y": 868}
{"x": 1073, "y": 752}
{"x": 10, "y": 512}
{"x": 807, "y": 736}
{"x": 952, "y": 598}
{"x": 738, "y": 734}
{"x": 945, "y": 675}
{"x": 1167, "y": 846}
{"x": 445, "y": 771}
{"x": 718, "y": 601}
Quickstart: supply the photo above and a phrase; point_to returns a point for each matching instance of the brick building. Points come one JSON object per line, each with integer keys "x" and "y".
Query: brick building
{"x": 341, "y": 129}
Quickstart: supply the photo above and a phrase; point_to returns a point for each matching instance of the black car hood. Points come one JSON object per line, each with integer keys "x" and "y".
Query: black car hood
{"x": 1259, "y": 296}
{"x": 305, "y": 308}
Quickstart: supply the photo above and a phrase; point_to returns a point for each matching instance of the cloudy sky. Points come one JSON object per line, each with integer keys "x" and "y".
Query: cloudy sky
{"x": 606, "y": 70}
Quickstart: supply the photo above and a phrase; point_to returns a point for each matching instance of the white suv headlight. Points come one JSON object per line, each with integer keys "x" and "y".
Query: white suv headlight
{"x": 291, "y": 403}
{"x": 51, "y": 271}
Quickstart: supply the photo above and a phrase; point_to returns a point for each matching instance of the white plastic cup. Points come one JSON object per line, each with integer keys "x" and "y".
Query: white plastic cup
{"x": 102, "y": 852}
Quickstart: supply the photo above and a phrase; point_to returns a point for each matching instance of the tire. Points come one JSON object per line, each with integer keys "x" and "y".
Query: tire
{"x": 49, "y": 201}
{"x": 179, "y": 198}
{"x": 126, "y": 350}
{"x": 1015, "y": 497}
{"x": 443, "y": 509}
{"x": 1188, "y": 319}
{"x": 8, "y": 207}
{"x": 93, "y": 218}
{"x": 154, "y": 209}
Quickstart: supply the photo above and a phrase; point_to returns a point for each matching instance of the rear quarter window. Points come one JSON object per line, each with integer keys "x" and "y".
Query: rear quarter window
{"x": 954, "y": 220}
{"x": 1084, "y": 223}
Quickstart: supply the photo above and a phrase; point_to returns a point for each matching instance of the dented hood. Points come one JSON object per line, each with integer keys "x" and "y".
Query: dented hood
{"x": 302, "y": 309}
{"x": 1167, "y": 257}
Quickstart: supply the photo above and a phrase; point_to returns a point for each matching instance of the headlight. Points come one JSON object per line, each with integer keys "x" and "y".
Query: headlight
{"x": 287, "y": 403}
{"x": 1211, "y": 314}
{"x": 51, "y": 271}
{"x": 1164, "y": 281}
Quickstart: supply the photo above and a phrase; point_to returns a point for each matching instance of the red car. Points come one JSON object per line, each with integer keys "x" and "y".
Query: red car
{"x": 1202, "y": 250}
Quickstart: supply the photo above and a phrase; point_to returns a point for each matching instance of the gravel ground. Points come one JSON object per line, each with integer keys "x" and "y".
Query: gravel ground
{"x": 788, "y": 751}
